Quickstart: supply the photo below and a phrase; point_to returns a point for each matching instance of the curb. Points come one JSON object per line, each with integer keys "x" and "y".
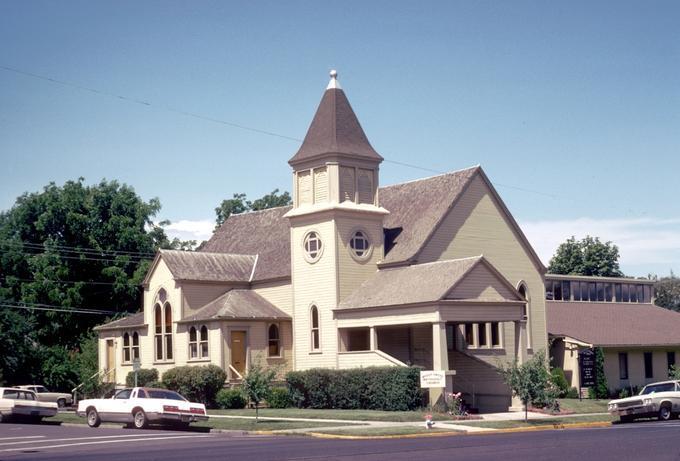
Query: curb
{"x": 320, "y": 435}
{"x": 549, "y": 427}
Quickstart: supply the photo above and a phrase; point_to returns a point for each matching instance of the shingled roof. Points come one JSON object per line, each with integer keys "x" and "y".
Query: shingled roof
{"x": 263, "y": 233}
{"x": 335, "y": 129}
{"x": 131, "y": 321}
{"x": 613, "y": 324}
{"x": 238, "y": 304}
{"x": 209, "y": 267}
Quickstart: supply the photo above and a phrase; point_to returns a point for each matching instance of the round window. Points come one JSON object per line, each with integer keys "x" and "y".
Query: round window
{"x": 361, "y": 247}
{"x": 313, "y": 246}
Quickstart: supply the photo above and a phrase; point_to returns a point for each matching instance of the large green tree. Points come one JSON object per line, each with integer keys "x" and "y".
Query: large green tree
{"x": 588, "y": 256}
{"x": 67, "y": 248}
{"x": 240, "y": 204}
{"x": 667, "y": 292}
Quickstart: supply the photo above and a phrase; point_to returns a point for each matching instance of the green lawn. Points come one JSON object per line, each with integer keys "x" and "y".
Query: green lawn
{"x": 539, "y": 422}
{"x": 349, "y": 415}
{"x": 220, "y": 423}
{"x": 584, "y": 406}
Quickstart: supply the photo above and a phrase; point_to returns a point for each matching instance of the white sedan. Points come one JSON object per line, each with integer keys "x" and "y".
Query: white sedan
{"x": 22, "y": 403}
{"x": 141, "y": 406}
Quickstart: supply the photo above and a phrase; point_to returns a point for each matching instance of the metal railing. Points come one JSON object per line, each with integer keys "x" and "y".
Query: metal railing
{"x": 103, "y": 374}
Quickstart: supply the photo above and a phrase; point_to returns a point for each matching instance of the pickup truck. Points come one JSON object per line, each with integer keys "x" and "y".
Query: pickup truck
{"x": 23, "y": 404}
{"x": 141, "y": 406}
{"x": 660, "y": 400}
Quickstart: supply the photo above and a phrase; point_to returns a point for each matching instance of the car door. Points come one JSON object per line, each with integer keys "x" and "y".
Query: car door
{"x": 120, "y": 407}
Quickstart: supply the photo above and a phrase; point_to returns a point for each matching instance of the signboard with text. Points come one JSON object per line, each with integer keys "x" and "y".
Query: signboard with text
{"x": 432, "y": 378}
{"x": 586, "y": 359}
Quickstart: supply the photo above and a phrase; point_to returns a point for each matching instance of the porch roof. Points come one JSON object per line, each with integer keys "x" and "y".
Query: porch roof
{"x": 131, "y": 321}
{"x": 238, "y": 304}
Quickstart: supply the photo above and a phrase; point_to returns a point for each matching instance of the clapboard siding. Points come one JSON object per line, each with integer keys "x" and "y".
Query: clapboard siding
{"x": 481, "y": 284}
{"x": 320, "y": 185}
{"x": 197, "y": 295}
{"x": 478, "y": 226}
{"x": 279, "y": 294}
{"x": 353, "y": 272}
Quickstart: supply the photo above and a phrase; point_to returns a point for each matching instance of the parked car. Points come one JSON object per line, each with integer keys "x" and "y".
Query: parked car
{"x": 141, "y": 406}
{"x": 660, "y": 400}
{"x": 23, "y": 404}
{"x": 44, "y": 395}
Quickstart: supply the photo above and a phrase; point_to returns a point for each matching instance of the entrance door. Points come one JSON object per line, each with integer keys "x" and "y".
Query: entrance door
{"x": 238, "y": 351}
{"x": 110, "y": 361}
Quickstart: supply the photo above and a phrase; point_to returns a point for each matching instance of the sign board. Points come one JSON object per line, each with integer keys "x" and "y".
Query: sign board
{"x": 136, "y": 365}
{"x": 432, "y": 378}
{"x": 586, "y": 359}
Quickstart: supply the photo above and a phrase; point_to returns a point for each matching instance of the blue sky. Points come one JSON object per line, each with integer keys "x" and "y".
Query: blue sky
{"x": 572, "y": 108}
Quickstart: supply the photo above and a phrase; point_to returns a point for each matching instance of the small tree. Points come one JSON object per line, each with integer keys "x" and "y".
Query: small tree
{"x": 257, "y": 384}
{"x": 529, "y": 381}
{"x": 601, "y": 389}
{"x": 674, "y": 372}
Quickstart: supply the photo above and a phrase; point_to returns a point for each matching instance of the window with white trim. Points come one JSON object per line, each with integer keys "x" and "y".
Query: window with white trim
{"x": 274, "y": 341}
{"x": 163, "y": 328}
{"x": 313, "y": 246}
{"x": 198, "y": 343}
{"x": 315, "y": 333}
{"x": 360, "y": 245}
{"x": 130, "y": 346}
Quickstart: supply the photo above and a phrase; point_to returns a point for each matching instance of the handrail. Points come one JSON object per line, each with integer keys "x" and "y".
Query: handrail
{"x": 99, "y": 373}
{"x": 234, "y": 370}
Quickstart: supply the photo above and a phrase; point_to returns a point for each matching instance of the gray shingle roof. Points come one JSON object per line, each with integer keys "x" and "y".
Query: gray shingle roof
{"x": 131, "y": 321}
{"x": 209, "y": 267}
{"x": 421, "y": 283}
{"x": 614, "y": 324}
{"x": 238, "y": 304}
{"x": 335, "y": 130}
{"x": 264, "y": 233}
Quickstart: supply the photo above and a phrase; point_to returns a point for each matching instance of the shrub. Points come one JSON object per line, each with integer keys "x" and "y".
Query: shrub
{"x": 198, "y": 384}
{"x": 560, "y": 381}
{"x": 374, "y": 388}
{"x": 601, "y": 389}
{"x": 146, "y": 377}
{"x": 229, "y": 399}
{"x": 572, "y": 393}
{"x": 279, "y": 398}
{"x": 623, "y": 393}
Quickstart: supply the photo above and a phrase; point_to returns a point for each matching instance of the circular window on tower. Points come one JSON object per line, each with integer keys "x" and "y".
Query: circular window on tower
{"x": 313, "y": 246}
{"x": 360, "y": 246}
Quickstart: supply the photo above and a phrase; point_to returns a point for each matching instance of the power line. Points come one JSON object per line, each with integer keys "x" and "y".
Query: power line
{"x": 109, "y": 259}
{"x": 84, "y": 282}
{"x": 96, "y": 251}
{"x": 54, "y": 308}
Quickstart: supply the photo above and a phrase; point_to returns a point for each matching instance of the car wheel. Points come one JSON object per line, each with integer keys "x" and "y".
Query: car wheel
{"x": 627, "y": 419}
{"x": 665, "y": 413}
{"x": 93, "y": 419}
{"x": 139, "y": 419}
{"x": 61, "y": 403}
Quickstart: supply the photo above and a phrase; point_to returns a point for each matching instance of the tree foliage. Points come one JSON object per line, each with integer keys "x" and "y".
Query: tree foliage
{"x": 240, "y": 204}
{"x": 667, "y": 292}
{"x": 588, "y": 256}
{"x": 71, "y": 246}
{"x": 257, "y": 385}
{"x": 530, "y": 381}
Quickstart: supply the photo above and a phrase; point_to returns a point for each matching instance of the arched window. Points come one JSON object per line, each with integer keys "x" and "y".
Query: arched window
{"x": 193, "y": 343}
{"x": 167, "y": 331}
{"x": 158, "y": 330}
{"x": 135, "y": 346}
{"x": 198, "y": 343}
{"x": 126, "y": 348}
{"x": 314, "y": 314}
{"x": 274, "y": 341}
{"x": 526, "y": 313}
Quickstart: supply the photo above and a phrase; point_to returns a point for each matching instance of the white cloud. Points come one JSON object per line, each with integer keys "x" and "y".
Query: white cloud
{"x": 191, "y": 230}
{"x": 642, "y": 242}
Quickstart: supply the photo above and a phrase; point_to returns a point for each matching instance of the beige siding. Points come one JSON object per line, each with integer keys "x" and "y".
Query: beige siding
{"x": 480, "y": 283}
{"x": 197, "y": 295}
{"x": 257, "y": 344}
{"x": 478, "y": 378}
{"x": 636, "y": 366}
{"x": 395, "y": 341}
{"x": 314, "y": 284}
{"x": 362, "y": 359}
{"x": 304, "y": 187}
{"x": 279, "y": 294}
{"x": 477, "y": 226}
{"x": 347, "y": 184}
{"x": 320, "y": 185}
{"x": 352, "y": 272}
{"x": 365, "y": 186}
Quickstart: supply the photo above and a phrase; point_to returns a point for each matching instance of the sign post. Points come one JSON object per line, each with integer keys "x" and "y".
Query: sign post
{"x": 587, "y": 369}
{"x": 136, "y": 366}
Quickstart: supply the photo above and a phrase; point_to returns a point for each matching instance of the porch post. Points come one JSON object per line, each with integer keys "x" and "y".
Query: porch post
{"x": 520, "y": 356}
{"x": 440, "y": 357}
{"x": 373, "y": 337}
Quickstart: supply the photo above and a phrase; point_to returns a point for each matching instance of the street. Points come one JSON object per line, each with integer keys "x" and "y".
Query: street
{"x": 644, "y": 440}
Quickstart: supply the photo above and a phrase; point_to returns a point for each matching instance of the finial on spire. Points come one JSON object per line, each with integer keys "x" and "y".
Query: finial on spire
{"x": 333, "y": 84}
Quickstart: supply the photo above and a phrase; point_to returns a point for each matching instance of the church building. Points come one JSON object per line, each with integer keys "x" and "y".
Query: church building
{"x": 433, "y": 273}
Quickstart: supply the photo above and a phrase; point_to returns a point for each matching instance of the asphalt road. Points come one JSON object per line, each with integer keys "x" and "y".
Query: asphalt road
{"x": 638, "y": 441}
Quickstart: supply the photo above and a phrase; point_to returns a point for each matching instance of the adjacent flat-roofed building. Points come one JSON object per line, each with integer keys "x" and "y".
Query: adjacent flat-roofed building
{"x": 434, "y": 273}
{"x": 640, "y": 340}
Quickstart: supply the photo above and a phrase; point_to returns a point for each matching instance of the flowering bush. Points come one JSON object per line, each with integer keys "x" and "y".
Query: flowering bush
{"x": 454, "y": 404}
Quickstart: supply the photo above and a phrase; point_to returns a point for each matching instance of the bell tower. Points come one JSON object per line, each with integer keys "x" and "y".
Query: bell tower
{"x": 336, "y": 223}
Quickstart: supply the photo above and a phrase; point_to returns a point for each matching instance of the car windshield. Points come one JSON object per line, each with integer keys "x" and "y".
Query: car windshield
{"x": 164, "y": 394}
{"x": 651, "y": 389}
{"x": 40, "y": 389}
{"x": 10, "y": 394}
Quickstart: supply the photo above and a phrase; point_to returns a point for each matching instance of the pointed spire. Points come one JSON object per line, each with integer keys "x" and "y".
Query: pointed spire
{"x": 335, "y": 129}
